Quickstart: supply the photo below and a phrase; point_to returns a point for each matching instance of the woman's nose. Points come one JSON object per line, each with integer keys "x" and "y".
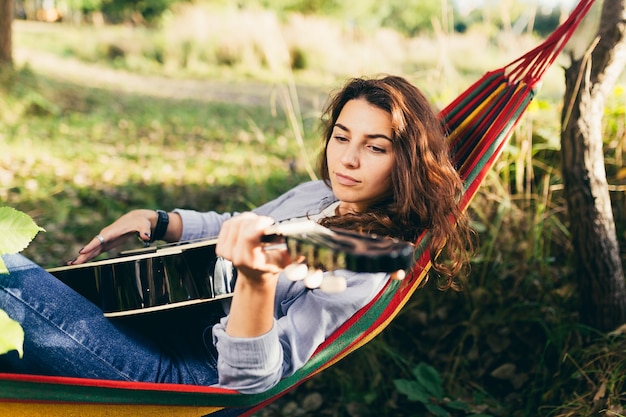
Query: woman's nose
{"x": 350, "y": 157}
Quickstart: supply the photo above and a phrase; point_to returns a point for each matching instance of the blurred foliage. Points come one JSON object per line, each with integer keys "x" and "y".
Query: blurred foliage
{"x": 207, "y": 42}
{"x": 11, "y": 335}
{"x": 17, "y": 231}
{"x": 118, "y": 11}
{"x": 123, "y": 10}
{"x": 410, "y": 17}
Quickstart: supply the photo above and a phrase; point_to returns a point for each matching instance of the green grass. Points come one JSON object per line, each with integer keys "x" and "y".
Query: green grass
{"x": 76, "y": 158}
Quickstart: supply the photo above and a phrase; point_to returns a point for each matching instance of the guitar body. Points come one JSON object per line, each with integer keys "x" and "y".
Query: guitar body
{"x": 184, "y": 274}
{"x": 153, "y": 279}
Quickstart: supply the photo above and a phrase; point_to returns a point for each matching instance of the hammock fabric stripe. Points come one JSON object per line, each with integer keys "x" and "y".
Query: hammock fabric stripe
{"x": 479, "y": 123}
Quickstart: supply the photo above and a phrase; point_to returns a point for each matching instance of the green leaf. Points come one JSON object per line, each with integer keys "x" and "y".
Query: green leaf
{"x": 429, "y": 379}
{"x": 412, "y": 390}
{"x": 437, "y": 410}
{"x": 458, "y": 405}
{"x": 370, "y": 397}
{"x": 11, "y": 335}
{"x": 17, "y": 230}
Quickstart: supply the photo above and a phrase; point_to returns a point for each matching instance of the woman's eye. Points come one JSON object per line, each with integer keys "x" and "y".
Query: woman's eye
{"x": 378, "y": 149}
{"x": 341, "y": 139}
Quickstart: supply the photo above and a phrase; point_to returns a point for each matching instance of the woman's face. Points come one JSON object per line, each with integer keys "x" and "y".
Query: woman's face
{"x": 360, "y": 156}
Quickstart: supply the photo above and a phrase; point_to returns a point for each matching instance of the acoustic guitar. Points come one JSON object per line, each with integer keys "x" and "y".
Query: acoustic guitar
{"x": 188, "y": 273}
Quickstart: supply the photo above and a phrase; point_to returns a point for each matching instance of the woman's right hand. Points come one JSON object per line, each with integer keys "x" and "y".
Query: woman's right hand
{"x": 135, "y": 223}
{"x": 252, "y": 306}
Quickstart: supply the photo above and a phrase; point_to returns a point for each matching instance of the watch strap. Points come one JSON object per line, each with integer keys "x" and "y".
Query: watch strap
{"x": 163, "y": 221}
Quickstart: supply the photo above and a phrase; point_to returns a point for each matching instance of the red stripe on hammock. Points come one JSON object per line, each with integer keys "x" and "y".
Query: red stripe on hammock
{"x": 105, "y": 383}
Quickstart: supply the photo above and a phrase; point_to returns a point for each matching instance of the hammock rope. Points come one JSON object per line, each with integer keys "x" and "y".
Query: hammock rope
{"x": 479, "y": 123}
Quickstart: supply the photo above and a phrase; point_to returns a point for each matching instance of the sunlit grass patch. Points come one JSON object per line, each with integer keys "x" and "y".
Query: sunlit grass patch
{"x": 96, "y": 153}
{"x": 203, "y": 40}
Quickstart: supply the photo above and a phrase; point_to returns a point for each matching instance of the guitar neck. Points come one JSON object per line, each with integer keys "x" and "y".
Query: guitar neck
{"x": 330, "y": 249}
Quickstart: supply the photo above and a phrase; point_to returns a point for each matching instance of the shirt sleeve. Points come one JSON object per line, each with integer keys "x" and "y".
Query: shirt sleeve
{"x": 304, "y": 318}
{"x": 305, "y": 199}
{"x": 249, "y": 365}
{"x": 201, "y": 225}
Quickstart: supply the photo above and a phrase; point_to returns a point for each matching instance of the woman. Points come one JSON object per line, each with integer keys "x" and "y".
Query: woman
{"x": 385, "y": 171}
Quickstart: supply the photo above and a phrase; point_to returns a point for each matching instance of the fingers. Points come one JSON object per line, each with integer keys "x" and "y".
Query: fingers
{"x": 240, "y": 242}
{"x": 134, "y": 223}
{"x": 95, "y": 247}
{"x": 240, "y": 236}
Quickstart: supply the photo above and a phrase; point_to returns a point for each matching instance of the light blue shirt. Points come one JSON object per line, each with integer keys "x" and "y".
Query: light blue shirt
{"x": 303, "y": 318}
{"x": 307, "y": 199}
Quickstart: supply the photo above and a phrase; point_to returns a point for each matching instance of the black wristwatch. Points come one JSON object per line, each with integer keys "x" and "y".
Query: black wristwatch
{"x": 161, "y": 226}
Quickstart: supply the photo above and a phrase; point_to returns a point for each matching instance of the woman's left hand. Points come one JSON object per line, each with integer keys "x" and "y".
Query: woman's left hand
{"x": 252, "y": 307}
{"x": 240, "y": 241}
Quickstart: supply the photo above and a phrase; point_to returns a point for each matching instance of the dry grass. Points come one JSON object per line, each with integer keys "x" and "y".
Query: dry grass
{"x": 216, "y": 42}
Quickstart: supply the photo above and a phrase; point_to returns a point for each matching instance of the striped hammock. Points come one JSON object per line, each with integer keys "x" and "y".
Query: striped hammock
{"x": 480, "y": 122}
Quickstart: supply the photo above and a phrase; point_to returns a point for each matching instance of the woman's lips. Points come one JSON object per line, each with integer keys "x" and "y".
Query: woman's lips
{"x": 345, "y": 179}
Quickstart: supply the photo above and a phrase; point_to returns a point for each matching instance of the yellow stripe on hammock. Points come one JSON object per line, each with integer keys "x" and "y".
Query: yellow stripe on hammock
{"x": 471, "y": 118}
{"x": 42, "y": 409}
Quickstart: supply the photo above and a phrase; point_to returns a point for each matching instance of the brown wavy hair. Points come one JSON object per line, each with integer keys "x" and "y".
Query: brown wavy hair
{"x": 426, "y": 186}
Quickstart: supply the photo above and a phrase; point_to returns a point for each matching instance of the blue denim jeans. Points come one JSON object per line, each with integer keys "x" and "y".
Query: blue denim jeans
{"x": 67, "y": 335}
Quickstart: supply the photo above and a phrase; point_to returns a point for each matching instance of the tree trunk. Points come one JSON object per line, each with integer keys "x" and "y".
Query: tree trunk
{"x": 599, "y": 271}
{"x": 6, "y": 20}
